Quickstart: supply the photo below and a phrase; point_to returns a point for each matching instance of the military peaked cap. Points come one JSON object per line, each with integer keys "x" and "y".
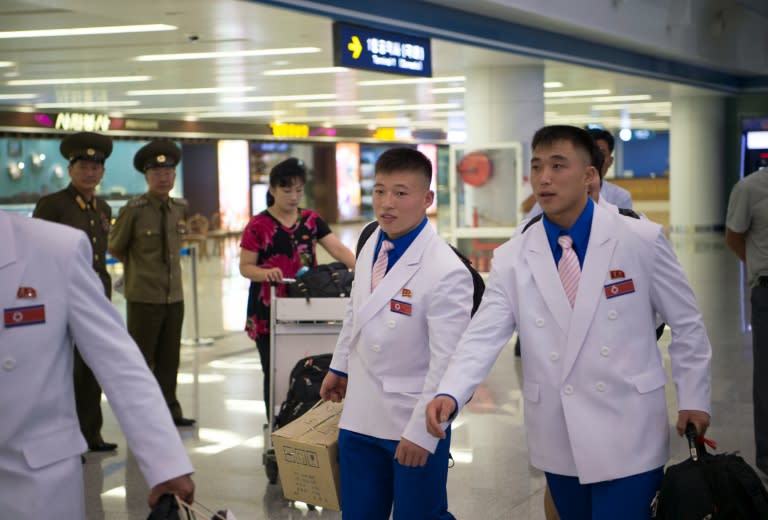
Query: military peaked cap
{"x": 157, "y": 154}
{"x": 89, "y": 146}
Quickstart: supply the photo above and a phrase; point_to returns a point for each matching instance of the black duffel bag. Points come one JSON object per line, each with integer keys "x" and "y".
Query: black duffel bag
{"x": 332, "y": 280}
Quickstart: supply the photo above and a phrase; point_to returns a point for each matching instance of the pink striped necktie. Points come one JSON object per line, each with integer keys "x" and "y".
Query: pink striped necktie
{"x": 380, "y": 265}
{"x": 568, "y": 268}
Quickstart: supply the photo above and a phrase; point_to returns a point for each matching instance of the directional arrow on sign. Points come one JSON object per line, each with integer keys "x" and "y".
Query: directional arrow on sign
{"x": 355, "y": 47}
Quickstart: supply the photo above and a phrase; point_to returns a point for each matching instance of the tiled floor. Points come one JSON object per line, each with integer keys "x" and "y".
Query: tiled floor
{"x": 221, "y": 387}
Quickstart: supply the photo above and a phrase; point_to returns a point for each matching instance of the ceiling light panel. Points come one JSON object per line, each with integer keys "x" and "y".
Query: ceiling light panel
{"x": 77, "y": 81}
{"x": 355, "y": 103}
{"x": 398, "y": 108}
{"x": 188, "y": 91}
{"x": 85, "y": 31}
{"x": 87, "y": 104}
{"x": 227, "y": 54}
{"x": 577, "y": 93}
{"x": 302, "y": 72}
{"x": 268, "y": 99}
{"x": 410, "y": 81}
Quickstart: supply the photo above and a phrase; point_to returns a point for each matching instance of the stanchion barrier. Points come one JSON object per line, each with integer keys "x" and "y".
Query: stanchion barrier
{"x": 197, "y": 340}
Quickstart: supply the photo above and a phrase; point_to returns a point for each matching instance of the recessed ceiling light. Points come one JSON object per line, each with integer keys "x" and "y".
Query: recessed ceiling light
{"x": 169, "y": 110}
{"x": 576, "y": 93}
{"x": 86, "y": 31}
{"x": 410, "y": 81}
{"x": 449, "y": 90}
{"x": 258, "y": 113}
{"x": 18, "y": 96}
{"x": 78, "y": 81}
{"x": 356, "y": 103}
{"x": 398, "y": 108}
{"x": 7, "y": 64}
{"x": 552, "y": 84}
{"x": 184, "y": 91}
{"x": 300, "y": 72}
{"x": 267, "y": 99}
{"x": 87, "y": 104}
{"x": 226, "y": 54}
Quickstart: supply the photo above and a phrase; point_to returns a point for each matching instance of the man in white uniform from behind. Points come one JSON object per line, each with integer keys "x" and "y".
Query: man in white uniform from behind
{"x": 51, "y": 297}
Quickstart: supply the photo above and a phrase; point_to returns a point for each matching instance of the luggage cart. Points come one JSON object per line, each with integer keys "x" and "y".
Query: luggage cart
{"x": 298, "y": 328}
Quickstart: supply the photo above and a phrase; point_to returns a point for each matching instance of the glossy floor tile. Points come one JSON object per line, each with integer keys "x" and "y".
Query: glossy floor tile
{"x": 220, "y": 385}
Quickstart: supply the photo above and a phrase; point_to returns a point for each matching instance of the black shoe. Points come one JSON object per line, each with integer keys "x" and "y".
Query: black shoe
{"x": 102, "y": 446}
{"x": 183, "y": 421}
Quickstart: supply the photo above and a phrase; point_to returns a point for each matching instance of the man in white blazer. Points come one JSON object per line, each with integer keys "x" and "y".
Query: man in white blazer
{"x": 51, "y": 297}
{"x": 407, "y": 310}
{"x": 593, "y": 376}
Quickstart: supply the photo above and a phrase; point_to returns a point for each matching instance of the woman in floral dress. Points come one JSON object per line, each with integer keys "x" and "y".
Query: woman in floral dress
{"x": 277, "y": 243}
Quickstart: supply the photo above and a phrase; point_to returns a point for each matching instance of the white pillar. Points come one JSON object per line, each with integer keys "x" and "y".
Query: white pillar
{"x": 502, "y": 104}
{"x": 696, "y": 148}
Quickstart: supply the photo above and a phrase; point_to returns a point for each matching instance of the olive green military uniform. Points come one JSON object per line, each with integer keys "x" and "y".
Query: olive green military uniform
{"x": 71, "y": 208}
{"x": 148, "y": 234}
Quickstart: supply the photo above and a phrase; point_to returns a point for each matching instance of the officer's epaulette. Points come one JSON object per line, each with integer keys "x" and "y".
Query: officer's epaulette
{"x": 532, "y": 222}
{"x": 628, "y": 213}
{"x": 180, "y": 202}
{"x": 137, "y": 202}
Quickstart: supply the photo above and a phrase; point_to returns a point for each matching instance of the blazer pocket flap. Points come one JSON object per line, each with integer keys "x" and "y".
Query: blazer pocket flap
{"x": 531, "y": 391}
{"x": 649, "y": 380}
{"x": 54, "y": 447}
{"x": 404, "y": 384}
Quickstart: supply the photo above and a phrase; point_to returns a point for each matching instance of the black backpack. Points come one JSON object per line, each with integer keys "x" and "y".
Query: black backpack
{"x": 303, "y": 388}
{"x": 332, "y": 280}
{"x": 712, "y": 486}
{"x": 477, "y": 279}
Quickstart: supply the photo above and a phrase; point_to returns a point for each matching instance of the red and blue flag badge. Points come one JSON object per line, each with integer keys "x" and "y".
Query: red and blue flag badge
{"x": 400, "y": 307}
{"x": 18, "y": 316}
{"x": 617, "y": 273}
{"x": 617, "y": 289}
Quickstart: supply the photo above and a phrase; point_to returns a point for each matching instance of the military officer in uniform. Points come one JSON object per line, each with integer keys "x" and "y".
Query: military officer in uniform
{"x": 78, "y": 206}
{"x": 147, "y": 237}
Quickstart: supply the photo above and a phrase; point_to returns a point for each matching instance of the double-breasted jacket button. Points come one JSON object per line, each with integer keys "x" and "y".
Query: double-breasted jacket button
{"x": 391, "y": 324}
{"x": 605, "y": 351}
{"x": 9, "y": 363}
{"x": 600, "y": 386}
{"x": 554, "y": 356}
{"x": 539, "y": 322}
{"x": 568, "y": 390}
{"x": 612, "y": 315}
{"x": 376, "y": 348}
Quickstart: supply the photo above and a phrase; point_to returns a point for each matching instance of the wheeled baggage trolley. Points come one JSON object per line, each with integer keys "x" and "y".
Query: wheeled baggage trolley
{"x": 298, "y": 328}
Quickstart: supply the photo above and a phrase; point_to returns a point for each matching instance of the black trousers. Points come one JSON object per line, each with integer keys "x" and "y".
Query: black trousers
{"x": 262, "y": 345}
{"x": 156, "y": 328}
{"x": 760, "y": 369}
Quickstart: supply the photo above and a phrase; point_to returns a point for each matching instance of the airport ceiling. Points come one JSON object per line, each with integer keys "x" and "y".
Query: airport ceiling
{"x": 125, "y": 74}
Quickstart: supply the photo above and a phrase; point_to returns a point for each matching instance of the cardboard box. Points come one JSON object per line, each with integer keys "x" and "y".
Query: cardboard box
{"x": 307, "y": 452}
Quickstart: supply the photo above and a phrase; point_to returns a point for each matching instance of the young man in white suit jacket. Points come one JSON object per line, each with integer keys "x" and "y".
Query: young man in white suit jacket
{"x": 51, "y": 297}
{"x": 593, "y": 376}
{"x": 392, "y": 351}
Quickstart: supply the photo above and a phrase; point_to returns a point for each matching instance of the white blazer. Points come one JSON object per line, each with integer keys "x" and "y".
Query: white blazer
{"x": 396, "y": 341}
{"x": 45, "y": 269}
{"x": 593, "y": 376}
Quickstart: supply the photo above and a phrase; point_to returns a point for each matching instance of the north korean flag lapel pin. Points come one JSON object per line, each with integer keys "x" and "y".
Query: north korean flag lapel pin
{"x": 26, "y": 293}
{"x": 613, "y": 290}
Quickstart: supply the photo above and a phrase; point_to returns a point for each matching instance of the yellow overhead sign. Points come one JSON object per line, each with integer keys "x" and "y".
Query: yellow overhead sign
{"x": 355, "y": 47}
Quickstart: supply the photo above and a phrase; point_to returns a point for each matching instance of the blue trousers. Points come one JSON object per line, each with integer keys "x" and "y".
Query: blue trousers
{"x": 372, "y": 481}
{"x": 627, "y": 498}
